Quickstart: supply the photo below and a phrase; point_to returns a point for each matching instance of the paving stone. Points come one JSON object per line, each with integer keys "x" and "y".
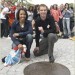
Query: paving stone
{"x": 64, "y": 53}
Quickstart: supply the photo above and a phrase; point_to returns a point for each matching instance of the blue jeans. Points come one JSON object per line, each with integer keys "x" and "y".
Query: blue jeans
{"x": 66, "y": 26}
{"x": 28, "y": 42}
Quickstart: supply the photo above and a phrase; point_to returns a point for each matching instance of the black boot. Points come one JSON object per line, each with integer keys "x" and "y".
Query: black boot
{"x": 3, "y": 59}
{"x": 51, "y": 59}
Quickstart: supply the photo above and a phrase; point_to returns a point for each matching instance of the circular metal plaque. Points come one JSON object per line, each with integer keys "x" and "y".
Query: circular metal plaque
{"x": 46, "y": 68}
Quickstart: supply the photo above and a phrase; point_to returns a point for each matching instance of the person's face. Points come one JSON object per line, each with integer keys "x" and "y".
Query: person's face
{"x": 18, "y": 6}
{"x": 61, "y": 6}
{"x": 43, "y": 12}
{"x": 2, "y": 1}
{"x": 9, "y": 3}
{"x": 66, "y": 6}
{"x": 55, "y": 6}
{"x": 22, "y": 15}
{"x": 5, "y": 4}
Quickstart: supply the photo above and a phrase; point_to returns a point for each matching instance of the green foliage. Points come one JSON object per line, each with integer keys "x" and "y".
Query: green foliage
{"x": 13, "y": 1}
{"x": 72, "y": 5}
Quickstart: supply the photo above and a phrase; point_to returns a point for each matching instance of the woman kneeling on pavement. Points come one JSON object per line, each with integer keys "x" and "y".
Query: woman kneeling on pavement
{"x": 21, "y": 32}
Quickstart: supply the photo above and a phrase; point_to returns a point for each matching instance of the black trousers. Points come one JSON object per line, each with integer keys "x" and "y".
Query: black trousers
{"x": 4, "y": 28}
{"x": 61, "y": 25}
{"x": 46, "y": 45}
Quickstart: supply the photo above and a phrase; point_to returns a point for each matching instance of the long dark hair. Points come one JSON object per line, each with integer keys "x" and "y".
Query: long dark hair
{"x": 17, "y": 15}
{"x": 56, "y": 7}
{"x": 66, "y": 4}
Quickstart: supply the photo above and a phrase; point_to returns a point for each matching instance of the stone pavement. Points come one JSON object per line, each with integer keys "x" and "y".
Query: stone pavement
{"x": 63, "y": 52}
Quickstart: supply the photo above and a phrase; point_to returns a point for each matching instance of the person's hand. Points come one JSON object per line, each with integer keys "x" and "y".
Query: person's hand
{"x": 33, "y": 24}
{"x": 60, "y": 17}
{"x": 15, "y": 34}
{"x": 4, "y": 13}
{"x": 65, "y": 9}
{"x": 20, "y": 46}
{"x": 41, "y": 29}
{"x": 56, "y": 23}
{"x": 36, "y": 49}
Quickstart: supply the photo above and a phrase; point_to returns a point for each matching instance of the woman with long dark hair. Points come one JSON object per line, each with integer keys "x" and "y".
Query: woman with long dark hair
{"x": 21, "y": 32}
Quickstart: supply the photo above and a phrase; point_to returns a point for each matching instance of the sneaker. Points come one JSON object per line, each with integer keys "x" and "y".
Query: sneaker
{"x": 8, "y": 38}
{"x": 72, "y": 38}
{"x": 27, "y": 59}
{"x": 51, "y": 59}
{"x": 65, "y": 37}
{"x": 59, "y": 34}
